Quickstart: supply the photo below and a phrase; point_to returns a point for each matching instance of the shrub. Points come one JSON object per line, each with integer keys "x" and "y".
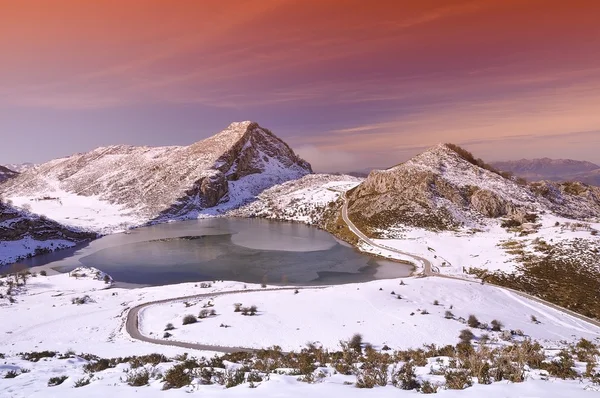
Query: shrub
{"x": 98, "y": 365}
{"x": 436, "y": 302}
{"x": 169, "y": 327}
{"x": 473, "y": 321}
{"x": 428, "y": 388}
{"x": 189, "y": 319}
{"x": 84, "y": 381}
{"x": 177, "y": 377}
{"x": 355, "y": 342}
{"x": 137, "y": 378}
{"x": 167, "y": 335}
{"x": 43, "y": 273}
{"x": 36, "y": 356}
{"x": 406, "y": 378}
{"x": 457, "y": 379}
{"x": 561, "y": 367}
{"x": 534, "y": 319}
{"x": 449, "y": 315}
{"x": 497, "y": 325}
{"x": 82, "y": 300}
{"x": 203, "y": 314}
{"x": 11, "y": 374}
{"x": 233, "y": 377}
{"x": 237, "y": 307}
{"x": 56, "y": 381}
{"x": 466, "y": 336}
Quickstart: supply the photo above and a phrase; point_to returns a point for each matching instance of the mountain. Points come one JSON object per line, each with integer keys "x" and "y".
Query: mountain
{"x": 19, "y": 167}
{"x": 23, "y": 234}
{"x": 446, "y": 187}
{"x": 553, "y": 170}
{"x": 6, "y": 173}
{"x": 160, "y": 183}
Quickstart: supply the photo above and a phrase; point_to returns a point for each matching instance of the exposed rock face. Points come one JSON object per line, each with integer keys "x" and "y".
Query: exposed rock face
{"x": 441, "y": 189}
{"x": 569, "y": 199}
{"x": 491, "y": 205}
{"x": 437, "y": 189}
{"x": 227, "y": 169}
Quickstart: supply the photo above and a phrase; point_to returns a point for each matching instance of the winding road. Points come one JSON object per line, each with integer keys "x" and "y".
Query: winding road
{"x": 428, "y": 271}
{"x": 133, "y": 316}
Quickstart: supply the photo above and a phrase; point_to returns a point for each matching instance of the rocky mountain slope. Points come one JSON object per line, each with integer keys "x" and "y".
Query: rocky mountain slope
{"x": 445, "y": 187}
{"x": 23, "y": 234}
{"x": 19, "y": 167}
{"x": 553, "y": 170}
{"x": 6, "y": 173}
{"x": 304, "y": 200}
{"x": 226, "y": 170}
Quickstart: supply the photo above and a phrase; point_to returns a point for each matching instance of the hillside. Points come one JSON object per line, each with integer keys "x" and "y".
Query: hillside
{"x": 6, "y": 174}
{"x": 23, "y": 234}
{"x": 134, "y": 185}
{"x": 19, "y": 167}
{"x": 447, "y": 188}
{"x": 553, "y": 170}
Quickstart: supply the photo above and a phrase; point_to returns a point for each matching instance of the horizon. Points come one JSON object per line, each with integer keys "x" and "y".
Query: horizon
{"x": 366, "y": 87}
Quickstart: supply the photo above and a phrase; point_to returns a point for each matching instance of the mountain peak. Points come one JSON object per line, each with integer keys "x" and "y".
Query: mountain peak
{"x": 227, "y": 169}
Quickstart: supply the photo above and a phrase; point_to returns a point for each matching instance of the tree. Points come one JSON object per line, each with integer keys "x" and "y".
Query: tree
{"x": 466, "y": 336}
{"x": 473, "y": 321}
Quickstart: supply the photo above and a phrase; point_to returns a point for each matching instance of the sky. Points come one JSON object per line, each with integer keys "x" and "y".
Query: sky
{"x": 349, "y": 84}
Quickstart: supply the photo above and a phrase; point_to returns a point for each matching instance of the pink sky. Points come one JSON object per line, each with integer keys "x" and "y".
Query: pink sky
{"x": 350, "y": 84}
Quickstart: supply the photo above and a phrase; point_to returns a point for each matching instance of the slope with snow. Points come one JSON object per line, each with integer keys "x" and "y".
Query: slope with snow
{"x": 553, "y": 170}
{"x": 6, "y": 174}
{"x": 303, "y": 200}
{"x": 24, "y": 234}
{"x": 157, "y": 184}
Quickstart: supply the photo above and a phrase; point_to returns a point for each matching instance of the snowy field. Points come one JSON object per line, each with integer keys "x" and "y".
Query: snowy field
{"x": 86, "y": 212}
{"x": 44, "y": 318}
{"x": 453, "y": 252}
{"x": 326, "y": 316}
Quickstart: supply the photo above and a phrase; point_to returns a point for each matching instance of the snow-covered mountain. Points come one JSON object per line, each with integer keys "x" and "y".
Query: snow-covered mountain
{"x": 445, "y": 187}
{"x": 553, "y": 170}
{"x": 6, "y": 173}
{"x": 143, "y": 184}
{"x": 19, "y": 167}
{"x": 23, "y": 234}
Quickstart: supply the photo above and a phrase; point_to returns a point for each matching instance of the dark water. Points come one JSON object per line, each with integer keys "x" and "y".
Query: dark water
{"x": 245, "y": 250}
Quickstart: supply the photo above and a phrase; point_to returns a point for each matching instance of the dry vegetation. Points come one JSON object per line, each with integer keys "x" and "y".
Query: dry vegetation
{"x": 450, "y": 367}
{"x": 566, "y": 274}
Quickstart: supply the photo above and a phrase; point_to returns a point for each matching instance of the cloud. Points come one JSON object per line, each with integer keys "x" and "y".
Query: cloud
{"x": 323, "y": 160}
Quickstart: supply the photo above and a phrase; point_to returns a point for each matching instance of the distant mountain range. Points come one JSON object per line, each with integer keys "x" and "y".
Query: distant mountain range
{"x": 553, "y": 170}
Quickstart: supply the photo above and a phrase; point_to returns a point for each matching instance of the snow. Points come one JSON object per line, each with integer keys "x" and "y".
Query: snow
{"x": 15, "y": 250}
{"x": 453, "y": 252}
{"x": 87, "y": 212}
{"x": 44, "y": 318}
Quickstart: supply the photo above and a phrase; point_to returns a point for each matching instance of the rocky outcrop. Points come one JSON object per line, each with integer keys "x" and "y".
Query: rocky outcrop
{"x": 227, "y": 169}
{"x": 438, "y": 189}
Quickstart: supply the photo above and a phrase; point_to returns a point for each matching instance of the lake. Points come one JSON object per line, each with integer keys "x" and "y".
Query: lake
{"x": 239, "y": 249}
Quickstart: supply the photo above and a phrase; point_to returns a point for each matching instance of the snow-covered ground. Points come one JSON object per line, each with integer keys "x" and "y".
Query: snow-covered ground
{"x": 14, "y": 250}
{"x": 87, "y": 212}
{"x": 45, "y": 318}
{"x": 329, "y": 315}
{"x": 453, "y": 253}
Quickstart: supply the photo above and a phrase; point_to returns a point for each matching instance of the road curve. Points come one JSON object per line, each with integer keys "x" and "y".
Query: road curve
{"x": 428, "y": 270}
{"x": 132, "y": 322}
